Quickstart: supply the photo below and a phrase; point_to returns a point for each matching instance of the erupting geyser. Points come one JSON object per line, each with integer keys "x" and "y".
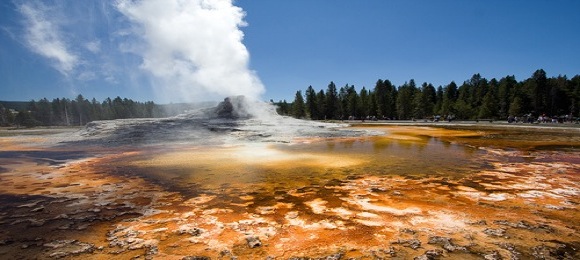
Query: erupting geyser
{"x": 241, "y": 107}
{"x": 202, "y": 185}
{"x": 237, "y": 118}
{"x": 192, "y": 49}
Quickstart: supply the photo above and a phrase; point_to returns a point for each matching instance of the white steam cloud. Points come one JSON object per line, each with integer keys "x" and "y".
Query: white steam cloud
{"x": 193, "y": 47}
{"x": 43, "y": 36}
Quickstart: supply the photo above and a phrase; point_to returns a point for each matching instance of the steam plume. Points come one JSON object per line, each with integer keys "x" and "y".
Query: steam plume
{"x": 193, "y": 47}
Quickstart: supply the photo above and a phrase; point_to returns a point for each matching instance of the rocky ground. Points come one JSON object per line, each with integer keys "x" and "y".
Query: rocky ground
{"x": 247, "y": 188}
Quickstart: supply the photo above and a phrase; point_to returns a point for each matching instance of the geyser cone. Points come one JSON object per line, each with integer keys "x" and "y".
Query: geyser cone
{"x": 236, "y": 119}
{"x": 242, "y": 107}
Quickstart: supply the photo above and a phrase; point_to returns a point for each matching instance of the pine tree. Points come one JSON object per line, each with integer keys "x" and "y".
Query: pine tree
{"x": 321, "y": 101}
{"x": 505, "y": 89}
{"x": 352, "y": 103}
{"x": 438, "y": 101}
{"x": 515, "y": 108}
{"x": 298, "y": 107}
{"x": 405, "y": 99}
{"x": 312, "y": 104}
{"x": 449, "y": 99}
{"x": 538, "y": 91}
{"x": 364, "y": 103}
{"x": 332, "y": 102}
{"x": 381, "y": 98}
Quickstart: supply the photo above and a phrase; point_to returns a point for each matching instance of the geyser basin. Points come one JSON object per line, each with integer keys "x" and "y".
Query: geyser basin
{"x": 313, "y": 191}
{"x": 236, "y": 119}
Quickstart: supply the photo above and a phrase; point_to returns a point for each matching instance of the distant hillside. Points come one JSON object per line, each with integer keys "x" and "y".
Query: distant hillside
{"x": 16, "y": 105}
{"x": 79, "y": 111}
{"x": 180, "y": 108}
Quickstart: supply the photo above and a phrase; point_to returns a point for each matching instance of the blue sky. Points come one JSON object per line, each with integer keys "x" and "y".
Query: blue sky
{"x": 120, "y": 48}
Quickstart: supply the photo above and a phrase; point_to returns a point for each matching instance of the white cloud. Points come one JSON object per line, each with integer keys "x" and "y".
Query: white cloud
{"x": 43, "y": 36}
{"x": 87, "y": 76}
{"x": 193, "y": 47}
{"x": 94, "y": 46}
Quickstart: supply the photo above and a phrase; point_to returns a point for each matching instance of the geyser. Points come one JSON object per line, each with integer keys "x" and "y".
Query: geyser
{"x": 236, "y": 119}
{"x": 193, "y": 49}
{"x": 242, "y": 107}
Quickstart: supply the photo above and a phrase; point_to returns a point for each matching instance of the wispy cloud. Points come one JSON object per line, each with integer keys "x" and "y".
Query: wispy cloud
{"x": 191, "y": 49}
{"x": 43, "y": 36}
{"x": 93, "y": 46}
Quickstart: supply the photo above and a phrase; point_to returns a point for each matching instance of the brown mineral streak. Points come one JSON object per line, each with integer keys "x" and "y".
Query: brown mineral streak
{"x": 413, "y": 191}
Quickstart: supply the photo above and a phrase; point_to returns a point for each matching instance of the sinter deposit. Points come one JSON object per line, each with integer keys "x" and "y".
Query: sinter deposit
{"x": 237, "y": 181}
{"x": 235, "y": 119}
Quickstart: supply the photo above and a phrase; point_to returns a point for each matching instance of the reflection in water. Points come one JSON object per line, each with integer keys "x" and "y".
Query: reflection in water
{"x": 263, "y": 166}
{"x": 412, "y": 192}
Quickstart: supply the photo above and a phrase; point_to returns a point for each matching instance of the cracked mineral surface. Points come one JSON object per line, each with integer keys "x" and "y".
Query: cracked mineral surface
{"x": 240, "y": 187}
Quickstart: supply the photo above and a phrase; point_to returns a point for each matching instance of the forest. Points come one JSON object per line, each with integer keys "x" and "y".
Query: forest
{"x": 475, "y": 99}
{"x": 79, "y": 111}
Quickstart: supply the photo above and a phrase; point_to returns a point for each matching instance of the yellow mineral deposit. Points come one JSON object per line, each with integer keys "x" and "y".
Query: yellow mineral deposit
{"x": 414, "y": 191}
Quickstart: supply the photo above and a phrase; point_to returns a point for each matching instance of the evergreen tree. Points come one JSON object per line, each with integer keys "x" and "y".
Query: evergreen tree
{"x": 96, "y": 110}
{"x": 321, "y": 101}
{"x": 430, "y": 98}
{"x": 391, "y": 109}
{"x": 352, "y": 102}
{"x": 283, "y": 108}
{"x": 559, "y": 100}
{"x": 474, "y": 90}
{"x": 343, "y": 102}
{"x": 372, "y": 104}
{"x": 385, "y": 99}
{"x": 523, "y": 102}
{"x": 381, "y": 98}
{"x": 515, "y": 108}
{"x": 575, "y": 96}
{"x": 487, "y": 110}
{"x": 107, "y": 108}
{"x": 449, "y": 98}
{"x": 26, "y": 119}
{"x": 364, "y": 103}
{"x": 419, "y": 104}
{"x": 405, "y": 99}
{"x": 438, "y": 101}
{"x": 462, "y": 107}
{"x": 44, "y": 112}
{"x": 4, "y": 116}
{"x": 537, "y": 88}
{"x": 332, "y": 102}
{"x": 312, "y": 104}
{"x": 298, "y": 107}
{"x": 424, "y": 101}
{"x": 505, "y": 89}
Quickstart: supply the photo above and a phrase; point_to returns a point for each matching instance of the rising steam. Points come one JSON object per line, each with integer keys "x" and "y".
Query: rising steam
{"x": 193, "y": 48}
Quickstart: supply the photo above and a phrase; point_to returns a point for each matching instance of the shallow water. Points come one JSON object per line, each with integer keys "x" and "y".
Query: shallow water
{"x": 282, "y": 166}
{"x": 459, "y": 194}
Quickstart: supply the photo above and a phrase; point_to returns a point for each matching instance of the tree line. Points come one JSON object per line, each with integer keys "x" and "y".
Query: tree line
{"x": 477, "y": 98}
{"x": 78, "y": 111}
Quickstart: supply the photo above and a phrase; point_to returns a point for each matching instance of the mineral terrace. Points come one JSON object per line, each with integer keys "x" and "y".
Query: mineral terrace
{"x": 227, "y": 183}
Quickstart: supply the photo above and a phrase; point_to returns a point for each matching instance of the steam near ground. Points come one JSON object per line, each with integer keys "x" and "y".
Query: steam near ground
{"x": 222, "y": 186}
{"x": 236, "y": 119}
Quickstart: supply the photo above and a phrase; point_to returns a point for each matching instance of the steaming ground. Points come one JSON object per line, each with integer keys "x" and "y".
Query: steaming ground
{"x": 234, "y": 121}
{"x": 237, "y": 181}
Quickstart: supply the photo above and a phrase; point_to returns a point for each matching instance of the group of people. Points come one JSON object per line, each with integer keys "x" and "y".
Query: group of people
{"x": 541, "y": 119}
